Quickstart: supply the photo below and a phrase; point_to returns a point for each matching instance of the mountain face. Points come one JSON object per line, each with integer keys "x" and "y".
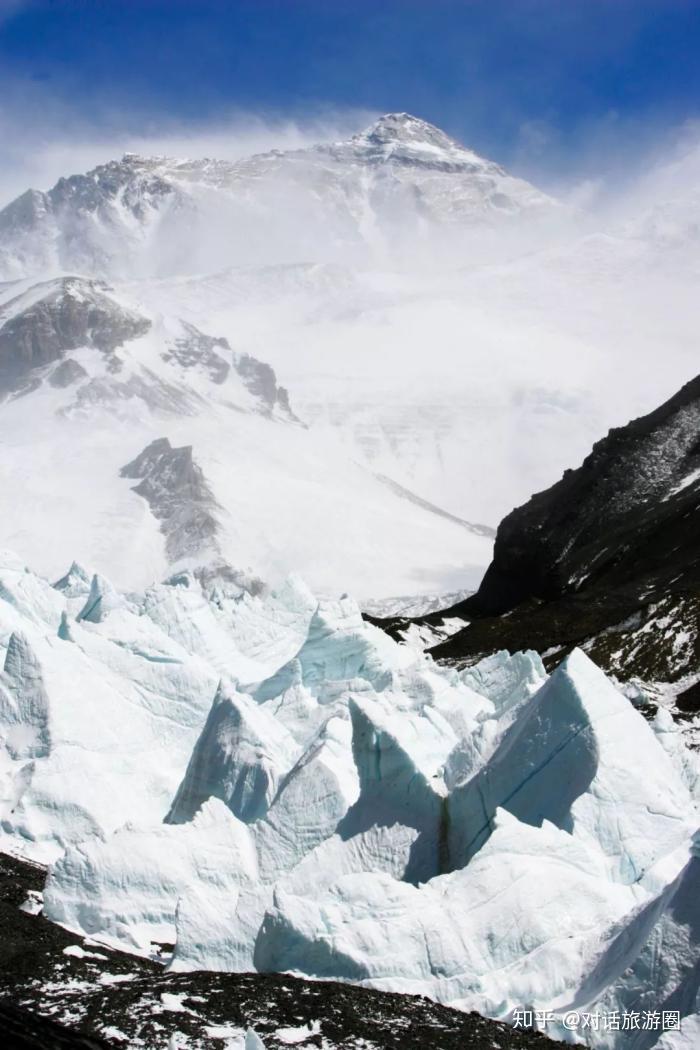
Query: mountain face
{"x": 163, "y": 447}
{"x": 401, "y": 288}
{"x": 42, "y": 325}
{"x": 155, "y": 216}
{"x": 607, "y": 558}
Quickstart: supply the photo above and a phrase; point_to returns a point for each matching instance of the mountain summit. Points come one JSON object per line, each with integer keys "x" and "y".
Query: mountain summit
{"x": 403, "y": 128}
{"x": 376, "y": 193}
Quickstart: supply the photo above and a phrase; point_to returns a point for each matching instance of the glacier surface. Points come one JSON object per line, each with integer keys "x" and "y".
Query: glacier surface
{"x": 269, "y": 782}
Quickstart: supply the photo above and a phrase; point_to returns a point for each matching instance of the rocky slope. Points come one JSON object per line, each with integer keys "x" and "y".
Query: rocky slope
{"x": 608, "y": 559}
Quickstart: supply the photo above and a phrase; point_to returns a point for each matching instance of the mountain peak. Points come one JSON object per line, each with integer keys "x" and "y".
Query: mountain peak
{"x": 405, "y": 129}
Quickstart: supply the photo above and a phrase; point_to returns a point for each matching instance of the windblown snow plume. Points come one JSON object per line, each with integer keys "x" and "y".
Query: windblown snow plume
{"x": 271, "y": 783}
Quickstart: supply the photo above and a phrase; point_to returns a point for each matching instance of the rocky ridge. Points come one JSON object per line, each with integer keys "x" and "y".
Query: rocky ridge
{"x": 607, "y": 559}
{"x": 127, "y": 217}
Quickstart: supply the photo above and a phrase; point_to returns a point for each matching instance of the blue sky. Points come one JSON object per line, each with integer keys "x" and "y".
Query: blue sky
{"x": 529, "y": 82}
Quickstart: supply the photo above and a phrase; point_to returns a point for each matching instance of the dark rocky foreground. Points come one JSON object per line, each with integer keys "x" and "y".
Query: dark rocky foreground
{"x": 99, "y": 997}
{"x": 23, "y": 1030}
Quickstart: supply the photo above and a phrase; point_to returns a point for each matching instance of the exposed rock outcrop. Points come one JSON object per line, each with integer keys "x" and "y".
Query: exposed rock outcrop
{"x": 607, "y": 558}
{"x": 176, "y": 490}
{"x": 53, "y": 319}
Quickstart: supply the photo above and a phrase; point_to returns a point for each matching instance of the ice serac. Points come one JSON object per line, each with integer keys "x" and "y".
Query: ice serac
{"x": 95, "y": 731}
{"x": 399, "y": 756}
{"x": 76, "y": 583}
{"x": 649, "y": 962}
{"x": 311, "y": 801}
{"x": 24, "y": 703}
{"x": 101, "y": 600}
{"x": 346, "y": 808}
{"x": 580, "y": 757}
{"x": 239, "y": 758}
{"x": 129, "y": 887}
{"x": 339, "y": 646}
{"x": 506, "y": 679}
{"x": 469, "y": 937}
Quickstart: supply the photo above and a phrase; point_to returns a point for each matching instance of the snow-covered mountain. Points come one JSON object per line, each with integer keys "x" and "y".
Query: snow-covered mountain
{"x": 336, "y": 361}
{"x": 145, "y": 216}
{"x": 449, "y": 325}
{"x": 149, "y": 446}
{"x": 270, "y": 783}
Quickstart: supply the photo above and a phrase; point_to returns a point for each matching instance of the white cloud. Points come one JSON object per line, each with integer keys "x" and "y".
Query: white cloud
{"x": 43, "y": 139}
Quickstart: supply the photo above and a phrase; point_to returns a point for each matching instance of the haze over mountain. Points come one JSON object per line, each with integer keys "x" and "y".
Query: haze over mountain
{"x": 153, "y": 447}
{"x": 367, "y": 197}
{"x": 450, "y": 327}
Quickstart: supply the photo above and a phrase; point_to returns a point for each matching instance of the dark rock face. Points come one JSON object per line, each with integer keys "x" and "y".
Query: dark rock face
{"x": 260, "y": 379}
{"x": 73, "y": 313}
{"x": 197, "y": 350}
{"x": 35, "y": 972}
{"x": 176, "y": 491}
{"x": 67, "y": 373}
{"x": 133, "y": 179}
{"x": 608, "y": 558}
{"x": 215, "y": 357}
{"x": 603, "y": 520}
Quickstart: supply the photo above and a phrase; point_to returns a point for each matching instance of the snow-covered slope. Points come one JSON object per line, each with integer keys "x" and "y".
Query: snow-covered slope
{"x": 148, "y": 445}
{"x": 453, "y": 328}
{"x": 474, "y": 385}
{"x": 276, "y": 784}
{"x": 153, "y": 215}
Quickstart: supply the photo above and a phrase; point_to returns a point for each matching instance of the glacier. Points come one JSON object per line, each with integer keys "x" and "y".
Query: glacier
{"x": 241, "y": 781}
